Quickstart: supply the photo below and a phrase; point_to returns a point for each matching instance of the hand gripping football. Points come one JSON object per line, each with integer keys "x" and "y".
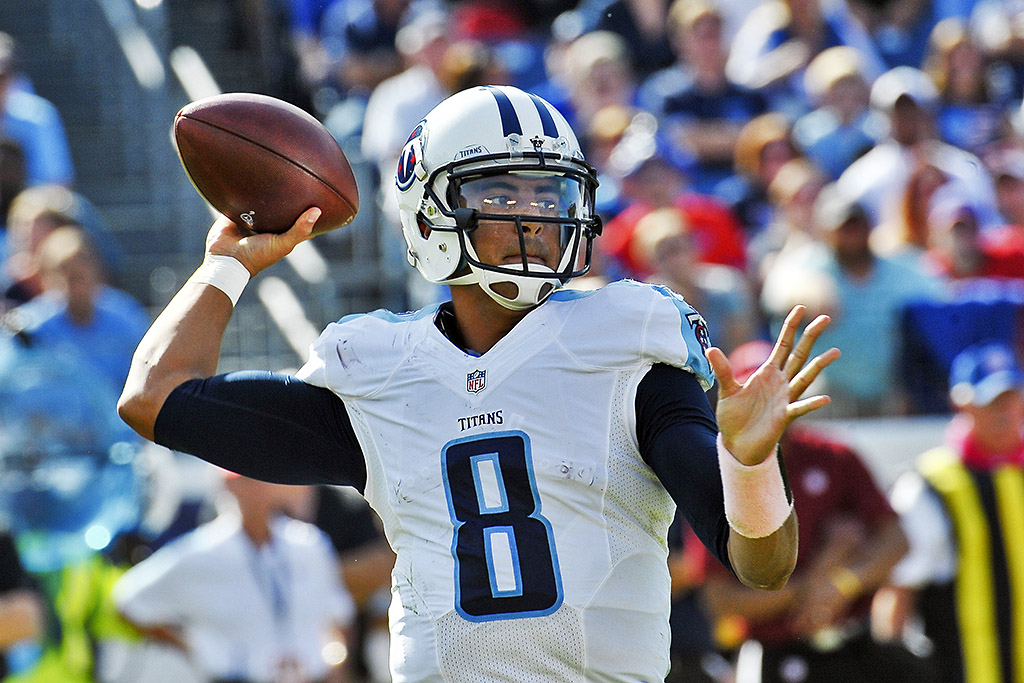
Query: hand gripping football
{"x": 262, "y": 161}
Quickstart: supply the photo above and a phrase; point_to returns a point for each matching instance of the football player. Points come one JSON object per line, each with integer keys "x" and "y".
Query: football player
{"x": 525, "y": 445}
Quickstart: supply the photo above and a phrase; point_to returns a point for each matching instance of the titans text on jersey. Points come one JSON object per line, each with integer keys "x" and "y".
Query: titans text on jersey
{"x": 492, "y": 510}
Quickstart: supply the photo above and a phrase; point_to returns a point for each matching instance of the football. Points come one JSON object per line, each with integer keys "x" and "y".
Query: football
{"x": 262, "y": 161}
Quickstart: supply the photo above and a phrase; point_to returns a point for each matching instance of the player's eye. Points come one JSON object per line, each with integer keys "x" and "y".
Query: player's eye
{"x": 548, "y": 205}
{"x": 500, "y": 201}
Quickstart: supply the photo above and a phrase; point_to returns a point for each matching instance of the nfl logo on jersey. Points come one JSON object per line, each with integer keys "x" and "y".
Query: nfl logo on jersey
{"x": 476, "y": 381}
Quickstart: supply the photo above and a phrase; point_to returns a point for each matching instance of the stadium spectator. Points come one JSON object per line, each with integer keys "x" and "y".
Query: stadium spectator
{"x": 356, "y": 42}
{"x": 815, "y": 628}
{"x": 700, "y": 107}
{"x": 779, "y": 39}
{"x": 908, "y": 97}
{"x": 792, "y": 194}
{"x": 255, "y": 596}
{"x": 77, "y": 312}
{"x": 652, "y": 177}
{"x": 1007, "y": 168}
{"x": 640, "y": 24}
{"x": 605, "y": 132}
{"x": 664, "y": 242}
{"x": 597, "y": 73}
{"x": 33, "y": 214}
{"x": 841, "y": 126}
{"x": 900, "y": 29}
{"x": 865, "y": 294}
{"x": 970, "y": 114}
{"x": 397, "y": 103}
{"x": 33, "y": 122}
{"x": 764, "y": 145}
{"x": 961, "y": 511}
{"x": 366, "y": 560}
{"x": 905, "y": 234}
{"x": 959, "y": 251}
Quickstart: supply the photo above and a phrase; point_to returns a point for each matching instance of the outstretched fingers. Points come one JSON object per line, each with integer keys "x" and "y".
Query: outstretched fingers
{"x": 798, "y": 385}
{"x": 802, "y": 352}
{"x": 804, "y": 406}
{"x": 780, "y": 352}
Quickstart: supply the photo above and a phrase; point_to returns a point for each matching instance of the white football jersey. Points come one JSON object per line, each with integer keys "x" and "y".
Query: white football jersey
{"x": 530, "y": 534}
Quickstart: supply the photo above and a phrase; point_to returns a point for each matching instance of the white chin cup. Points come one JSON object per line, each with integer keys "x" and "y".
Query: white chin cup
{"x": 530, "y": 291}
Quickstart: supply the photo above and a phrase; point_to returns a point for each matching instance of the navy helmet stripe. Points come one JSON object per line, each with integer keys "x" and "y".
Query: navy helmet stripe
{"x": 507, "y": 111}
{"x": 546, "y": 119}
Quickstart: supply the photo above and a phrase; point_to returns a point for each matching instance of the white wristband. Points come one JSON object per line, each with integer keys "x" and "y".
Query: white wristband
{"x": 755, "y": 495}
{"x": 226, "y": 273}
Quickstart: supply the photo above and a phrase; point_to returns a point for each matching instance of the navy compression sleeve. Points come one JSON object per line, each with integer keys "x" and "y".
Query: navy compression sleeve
{"x": 264, "y": 425}
{"x": 676, "y": 430}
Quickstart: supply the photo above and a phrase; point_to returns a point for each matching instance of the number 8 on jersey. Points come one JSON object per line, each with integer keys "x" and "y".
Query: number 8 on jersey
{"x": 506, "y": 566}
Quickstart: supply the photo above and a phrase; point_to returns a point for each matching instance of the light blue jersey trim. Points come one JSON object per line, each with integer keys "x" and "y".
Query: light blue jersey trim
{"x": 391, "y": 317}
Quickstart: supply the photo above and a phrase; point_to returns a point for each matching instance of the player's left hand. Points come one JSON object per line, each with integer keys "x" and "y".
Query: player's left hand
{"x": 753, "y": 415}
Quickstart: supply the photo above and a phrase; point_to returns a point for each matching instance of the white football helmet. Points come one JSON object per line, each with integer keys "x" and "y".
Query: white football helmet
{"x": 478, "y": 135}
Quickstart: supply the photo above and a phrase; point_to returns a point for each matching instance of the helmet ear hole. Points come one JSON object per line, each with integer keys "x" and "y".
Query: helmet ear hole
{"x": 424, "y": 229}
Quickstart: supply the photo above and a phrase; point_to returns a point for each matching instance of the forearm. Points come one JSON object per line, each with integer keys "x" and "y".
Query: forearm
{"x": 183, "y": 343}
{"x": 767, "y": 562}
{"x": 21, "y": 617}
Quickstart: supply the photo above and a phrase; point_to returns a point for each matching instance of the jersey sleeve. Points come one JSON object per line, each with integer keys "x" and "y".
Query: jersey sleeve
{"x": 634, "y": 324}
{"x": 676, "y": 334}
{"x": 676, "y": 431}
{"x": 266, "y": 426}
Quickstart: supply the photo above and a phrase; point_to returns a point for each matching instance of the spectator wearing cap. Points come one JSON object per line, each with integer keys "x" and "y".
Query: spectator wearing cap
{"x": 865, "y": 294}
{"x": 908, "y": 99}
{"x": 958, "y": 250}
{"x": 351, "y": 48}
{"x": 33, "y": 122}
{"x": 961, "y": 511}
{"x": 695, "y": 100}
{"x": 842, "y": 126}
{"x": 653, "y": 176}
{"x": 815, "y": 628}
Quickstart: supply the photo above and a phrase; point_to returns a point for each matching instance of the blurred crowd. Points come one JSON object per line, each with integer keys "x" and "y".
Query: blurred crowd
{"x": 864, "y": 158}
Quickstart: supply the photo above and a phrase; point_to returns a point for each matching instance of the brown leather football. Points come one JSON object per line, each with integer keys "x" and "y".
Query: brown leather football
{"x": 262, "y": 161}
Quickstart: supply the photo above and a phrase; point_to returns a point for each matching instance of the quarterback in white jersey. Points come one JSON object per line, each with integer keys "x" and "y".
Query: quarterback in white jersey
{"x": 525, "y": 446}
{"x": 511, "y": 484}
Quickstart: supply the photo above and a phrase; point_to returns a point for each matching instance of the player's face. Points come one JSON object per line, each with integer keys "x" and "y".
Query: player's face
{"x": 497, "y": 241}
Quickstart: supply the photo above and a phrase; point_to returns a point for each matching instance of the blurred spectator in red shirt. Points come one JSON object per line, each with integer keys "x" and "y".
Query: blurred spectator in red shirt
{"x": 958, "y": 248}
{"x": 653, "y": 177}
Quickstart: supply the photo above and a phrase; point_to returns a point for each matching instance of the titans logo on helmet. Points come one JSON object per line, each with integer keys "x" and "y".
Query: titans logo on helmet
{"x": 406, "y": 172}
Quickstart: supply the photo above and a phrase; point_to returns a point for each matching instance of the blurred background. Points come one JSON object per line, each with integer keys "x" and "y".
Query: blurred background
{"x": 862, "y": 157}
